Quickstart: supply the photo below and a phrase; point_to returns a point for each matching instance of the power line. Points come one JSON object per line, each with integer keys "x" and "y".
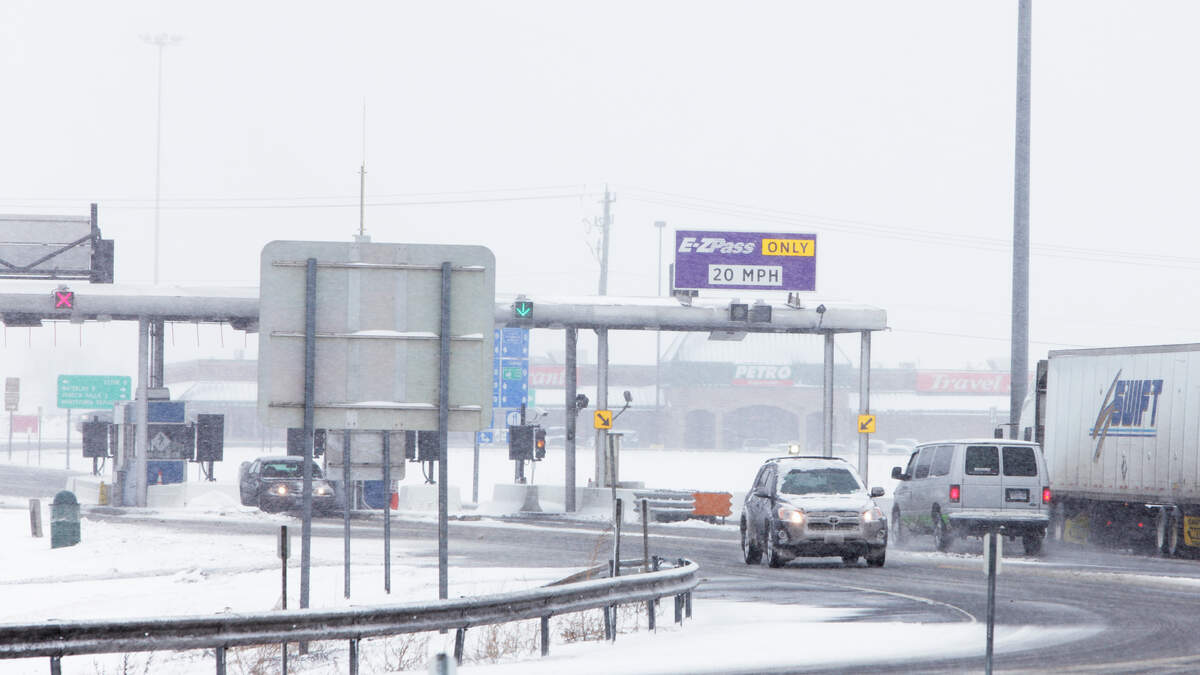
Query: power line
{"x": 863, "y": 228}
{"x": 109, "y": 201}
{"x": 345, "y": 205}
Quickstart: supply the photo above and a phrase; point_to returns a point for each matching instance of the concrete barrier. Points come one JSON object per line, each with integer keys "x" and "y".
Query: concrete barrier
{"x": 425, "y": 498}
{"x": 86, "y": 489}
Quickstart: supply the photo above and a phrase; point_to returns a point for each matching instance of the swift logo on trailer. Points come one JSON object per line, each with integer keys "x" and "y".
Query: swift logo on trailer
{"x": 1130, "y": 408}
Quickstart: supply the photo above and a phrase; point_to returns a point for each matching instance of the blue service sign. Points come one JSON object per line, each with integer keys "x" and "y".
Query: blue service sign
{"x": 745, "y": 260}
{"x": 514, "y": 343}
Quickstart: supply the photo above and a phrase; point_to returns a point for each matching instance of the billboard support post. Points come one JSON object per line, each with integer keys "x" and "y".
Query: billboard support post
{"x": 310, "y": 361}
{"x": 387, "y": 509}
{"x": 443, "y": 433}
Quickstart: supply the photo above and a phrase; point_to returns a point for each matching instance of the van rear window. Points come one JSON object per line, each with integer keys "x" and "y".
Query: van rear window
{"x": 1019, "y": 461}
{"x": 982, "y": 460}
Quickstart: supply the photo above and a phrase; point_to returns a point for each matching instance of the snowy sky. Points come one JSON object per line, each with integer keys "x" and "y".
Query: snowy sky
{"x": 885, "y": 128}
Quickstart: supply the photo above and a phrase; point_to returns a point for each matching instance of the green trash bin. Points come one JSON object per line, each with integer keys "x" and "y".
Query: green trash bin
{"x": 64, "y": 520}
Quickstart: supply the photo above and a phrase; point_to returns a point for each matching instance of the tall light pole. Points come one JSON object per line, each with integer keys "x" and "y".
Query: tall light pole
{"x": 661, "y": 225}
{"x": 161, "y": 41}
{"x": 1019, "y": 367}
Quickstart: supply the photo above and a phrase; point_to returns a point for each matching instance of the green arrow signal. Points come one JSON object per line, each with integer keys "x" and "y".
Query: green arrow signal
{"x": 523, "y": 309}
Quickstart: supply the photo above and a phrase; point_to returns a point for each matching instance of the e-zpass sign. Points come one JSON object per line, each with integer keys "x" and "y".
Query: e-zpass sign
{"x": 745, "y": 260}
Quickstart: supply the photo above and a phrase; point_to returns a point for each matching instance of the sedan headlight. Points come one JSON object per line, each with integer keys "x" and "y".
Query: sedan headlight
{"x": 322, "y": 490}
{"x": 872, "y": 514}
{"x": 791, "y": 515}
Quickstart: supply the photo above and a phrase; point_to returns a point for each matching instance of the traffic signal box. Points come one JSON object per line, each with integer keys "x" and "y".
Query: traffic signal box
{"x": 95, "y": 439}
{"x": 522, "y": 312}
{"x": 526, "y": 442}
{"x": 521, "y": 441}
{"x": 295, "y": 442}
{"x": 421, "y": 446}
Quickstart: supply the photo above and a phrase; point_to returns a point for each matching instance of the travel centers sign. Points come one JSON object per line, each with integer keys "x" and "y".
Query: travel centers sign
{"x": 745, "y": 260}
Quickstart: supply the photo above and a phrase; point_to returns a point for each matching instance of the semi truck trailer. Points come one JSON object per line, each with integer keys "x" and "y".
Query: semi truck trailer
{"x": 1120, "y": 429}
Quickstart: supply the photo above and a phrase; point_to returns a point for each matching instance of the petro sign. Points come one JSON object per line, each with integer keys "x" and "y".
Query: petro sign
{"x": 745, "y": 260}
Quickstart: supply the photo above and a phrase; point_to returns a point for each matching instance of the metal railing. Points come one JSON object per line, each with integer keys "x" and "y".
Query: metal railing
{"x": 56, "y": 639}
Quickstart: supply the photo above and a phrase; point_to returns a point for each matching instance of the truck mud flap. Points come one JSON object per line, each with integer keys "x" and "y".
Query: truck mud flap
{"x": 1191, "y": 530}
{"x": 1075, "y": 530}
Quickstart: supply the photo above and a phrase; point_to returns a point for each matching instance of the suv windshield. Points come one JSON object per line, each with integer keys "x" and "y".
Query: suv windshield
{"x": 826, "y": 480}
{"x": 286, "y": 470}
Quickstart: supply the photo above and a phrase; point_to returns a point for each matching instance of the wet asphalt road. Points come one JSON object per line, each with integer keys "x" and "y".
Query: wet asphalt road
{"x": 1141, "y": 608}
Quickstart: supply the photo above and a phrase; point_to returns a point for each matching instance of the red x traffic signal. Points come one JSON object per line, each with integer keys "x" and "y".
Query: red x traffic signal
{"x": 64, "y": 299}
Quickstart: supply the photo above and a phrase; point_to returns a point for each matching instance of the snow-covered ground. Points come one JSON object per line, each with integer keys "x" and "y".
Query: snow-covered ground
{"x": 127, "y": 570}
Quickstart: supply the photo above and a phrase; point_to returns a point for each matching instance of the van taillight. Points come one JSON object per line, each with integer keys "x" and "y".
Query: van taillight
{"x": 955, "y": 493}
{"x": 1045, "y": 495}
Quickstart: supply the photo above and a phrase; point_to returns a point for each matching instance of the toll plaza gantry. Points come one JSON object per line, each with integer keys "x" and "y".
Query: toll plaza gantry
{"x": 722, "y": 319}
{"x": 29, "y": 303}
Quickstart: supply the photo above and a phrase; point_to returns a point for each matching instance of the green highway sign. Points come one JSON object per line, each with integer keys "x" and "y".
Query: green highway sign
{"x": 513, "y": 373}
{"x": 93, "y": 391}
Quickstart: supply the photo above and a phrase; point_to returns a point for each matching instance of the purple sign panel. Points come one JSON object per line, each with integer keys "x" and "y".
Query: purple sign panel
{"x": 750, "y": 260}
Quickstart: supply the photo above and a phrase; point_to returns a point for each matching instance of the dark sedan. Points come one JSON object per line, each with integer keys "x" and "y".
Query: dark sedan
{"x": 277, "y": 484}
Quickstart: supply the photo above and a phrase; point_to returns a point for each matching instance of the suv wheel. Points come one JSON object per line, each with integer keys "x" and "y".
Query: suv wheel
{"x": 899, "y": 536}
{"x": 877, "y": 556}
{"x": 850, "y": 558}
{"x": 941, "y": 532}
{"x": 750, "y": 553}
{"x": 772, "y": 556}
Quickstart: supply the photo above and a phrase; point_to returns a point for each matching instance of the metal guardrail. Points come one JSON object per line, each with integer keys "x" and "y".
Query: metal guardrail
{"x": 69, "y": 638}
{"x": 665, "y": 505}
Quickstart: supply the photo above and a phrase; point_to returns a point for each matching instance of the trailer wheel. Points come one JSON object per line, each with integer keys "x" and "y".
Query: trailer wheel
{"x": 1162, "y": 531}
{"x": 1058, "y": 522}
{"x": 1174, "y": 529}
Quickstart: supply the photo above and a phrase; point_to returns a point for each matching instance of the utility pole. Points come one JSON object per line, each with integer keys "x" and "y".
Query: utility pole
{"x": 1019, "y": 373}
{"x": 602, "y": 468}
{"x": 609, "y": 198}
{"x": 362, "y": 178}
{"x": 161, "y": 41}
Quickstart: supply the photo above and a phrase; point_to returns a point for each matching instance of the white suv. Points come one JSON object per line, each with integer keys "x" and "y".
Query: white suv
{"x": 812, "y": 506}
{"x": 966, "y": 487}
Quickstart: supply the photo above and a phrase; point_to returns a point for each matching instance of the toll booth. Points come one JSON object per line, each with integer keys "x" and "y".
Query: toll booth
{"x": 173, "y": 440}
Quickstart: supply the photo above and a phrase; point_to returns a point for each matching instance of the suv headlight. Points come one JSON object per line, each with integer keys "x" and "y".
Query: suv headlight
{"x": 872, "y": 514}
{"x": 280, "y": 490}
{"x": 791, "y": 515}
{"x": 322, "y": 490}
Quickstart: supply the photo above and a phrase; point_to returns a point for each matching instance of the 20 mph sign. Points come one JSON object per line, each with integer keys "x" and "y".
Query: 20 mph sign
{"x": 745, "y": 260}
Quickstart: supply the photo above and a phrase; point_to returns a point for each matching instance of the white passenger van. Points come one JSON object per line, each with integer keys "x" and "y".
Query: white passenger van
{"x": 960, "y": 488}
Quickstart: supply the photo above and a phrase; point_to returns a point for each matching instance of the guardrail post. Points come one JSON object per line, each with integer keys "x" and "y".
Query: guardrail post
{"x": 679, "y": 609}
{"x": 645, "y": 535}
{"x": 613, "y": 610}
{"x": 55, "y": 663}
{"x": 687, "y": 604}
{"x": 460, "y": 639}
{"x": 221, "y": 660}
{"x": 354, "y": 657}
{"x": 545, "y": 635}
{"x": 607, "y": 624}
